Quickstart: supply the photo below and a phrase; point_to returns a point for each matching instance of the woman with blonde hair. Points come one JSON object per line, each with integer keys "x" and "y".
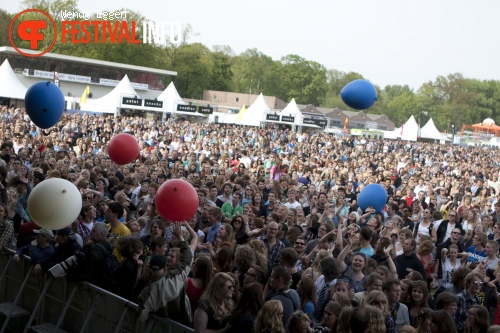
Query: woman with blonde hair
{"x": 314, "y": 271}
{"x": 269, "y": 318}
{"x": 215, "y": 305}
{"x": 343, "y": 320}
{"x": 378, "y": 299}
{"x": 298, "y": 322}
{"x": 260, "y": 252}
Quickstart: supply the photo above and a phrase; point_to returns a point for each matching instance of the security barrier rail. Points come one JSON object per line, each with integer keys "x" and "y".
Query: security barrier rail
{"x": 30, "y": 303}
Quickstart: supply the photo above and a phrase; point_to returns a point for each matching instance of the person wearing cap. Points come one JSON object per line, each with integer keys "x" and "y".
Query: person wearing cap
{"x": 42, "y": 252}
{"x": 165, "y": 294}
{"x": 67, "y": 245}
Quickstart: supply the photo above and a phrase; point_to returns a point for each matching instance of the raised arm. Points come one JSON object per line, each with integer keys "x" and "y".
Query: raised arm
{"x": 392, "y": 267}
{"x": 193, "y": 234}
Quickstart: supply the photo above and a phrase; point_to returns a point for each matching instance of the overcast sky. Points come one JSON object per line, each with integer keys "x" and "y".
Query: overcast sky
{"x": 386, "y": 41}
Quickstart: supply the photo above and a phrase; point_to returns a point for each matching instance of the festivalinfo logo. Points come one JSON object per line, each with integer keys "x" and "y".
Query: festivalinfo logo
{"x": 37, "y": 31}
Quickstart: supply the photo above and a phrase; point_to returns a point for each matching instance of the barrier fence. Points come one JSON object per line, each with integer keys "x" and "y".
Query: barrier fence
{"x": 30, "y": 303}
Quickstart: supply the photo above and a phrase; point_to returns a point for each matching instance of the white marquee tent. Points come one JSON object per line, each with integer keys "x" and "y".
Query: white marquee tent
{"x": 255, "y": 113}
{"x": 171, "y": 98}
{"x": 293, "y": 110}
{"x": 429, "y": 131}
{"x": 111, "y": 101}
{"x": 10, "y": 86}
{"x": 407, "y": 132}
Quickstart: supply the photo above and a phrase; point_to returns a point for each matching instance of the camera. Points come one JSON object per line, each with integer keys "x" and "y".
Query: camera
{"x": 62, "y": 267}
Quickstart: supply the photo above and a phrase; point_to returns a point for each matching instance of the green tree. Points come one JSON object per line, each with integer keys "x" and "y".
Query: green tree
{"x": 254, "y": 72}
{"x": 303, "y": 80}
{"x": 221, "y": 75}
{"x": 5, "y": 19}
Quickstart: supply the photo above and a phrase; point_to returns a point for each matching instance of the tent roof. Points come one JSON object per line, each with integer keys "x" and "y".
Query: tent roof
{"x": 171, "y": 94}
{"x": 429, "y": 131}
{"x": 255, "y": 113}
{"x": 172, "y": 98}
{"x": 111, "y": 101}
{"x": 293, "y": 110}
{"x": 407, "y": 132}
{"x": 10, "y": 86}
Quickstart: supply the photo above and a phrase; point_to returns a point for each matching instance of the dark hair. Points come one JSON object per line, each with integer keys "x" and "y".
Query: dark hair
{"x": 389, "y": 283}
{"x": 282, "y": 273}
{"x": 116, "y": 208}
{"x": 445, "y": 299}
{"x": 251, "y": 301}
{"x": 330, "y": 268}
{"x": 442, "y": 319}
{"x": 366, "y": 233}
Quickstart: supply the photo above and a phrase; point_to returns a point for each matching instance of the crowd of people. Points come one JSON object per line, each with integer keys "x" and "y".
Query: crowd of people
{"x": 279, "y": 242}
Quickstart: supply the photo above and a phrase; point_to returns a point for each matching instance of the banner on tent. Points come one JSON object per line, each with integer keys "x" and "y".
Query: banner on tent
{"x": 205, "y": 110}
{"x": 186, "y": 108}
{"x": 287, "y": 119}
{"x": 272, "y": 117}
{"x": 131, "y": 101}
{"x": 152, "y": 103}
{"x": 317, "y": 122}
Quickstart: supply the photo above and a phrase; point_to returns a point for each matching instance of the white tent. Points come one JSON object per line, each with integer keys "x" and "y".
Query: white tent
{"x": 429, "y": 131}
{"x": 112, "y": 101}
{"x": 255, "y": 113}
{"x": 10, "y": 86}
{"x": 293, "y": 110}
{"x": 407, "y": 132}
{"x": 171, "y": 98}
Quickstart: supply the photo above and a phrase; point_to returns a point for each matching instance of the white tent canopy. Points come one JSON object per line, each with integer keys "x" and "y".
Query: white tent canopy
{"x": 407, "y": 132}
{"x": 429, "y": 131}
{"x": 171, "y": 98}
{"x": 10, "y": 86}
{"x": 255, "y": 113}
{"x": 293, "y": 110}
{"x": 111, "y": 102}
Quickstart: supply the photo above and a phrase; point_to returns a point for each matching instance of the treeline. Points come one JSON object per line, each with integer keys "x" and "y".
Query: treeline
{"x": 446, "y": 99}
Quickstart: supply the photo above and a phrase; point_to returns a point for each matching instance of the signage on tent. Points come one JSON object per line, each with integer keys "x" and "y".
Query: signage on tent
{"x": 132, "y": 101}
{"x": 205, "y": 110}
{"x": 186, "y": 108}
{"x": 272, "y": 117}
{"x": 151, "y": 103}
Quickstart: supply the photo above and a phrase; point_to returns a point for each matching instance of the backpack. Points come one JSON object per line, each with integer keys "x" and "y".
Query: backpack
{"x": 108, "y": 274}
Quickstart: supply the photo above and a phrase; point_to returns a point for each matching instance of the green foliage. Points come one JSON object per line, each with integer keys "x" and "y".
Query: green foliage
{"x": 303, "y": 80}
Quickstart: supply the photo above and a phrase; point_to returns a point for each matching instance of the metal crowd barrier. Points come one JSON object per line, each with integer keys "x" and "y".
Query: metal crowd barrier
{"x": 30, "y": 303}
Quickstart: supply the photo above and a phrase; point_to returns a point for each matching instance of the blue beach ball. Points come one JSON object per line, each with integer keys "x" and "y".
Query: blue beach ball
{"x": 44, "y": 103}
{"x": 359, "y": 94}
{"x": 373, "y": 195}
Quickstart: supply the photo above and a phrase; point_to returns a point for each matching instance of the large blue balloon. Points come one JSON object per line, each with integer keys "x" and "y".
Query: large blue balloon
{"x": 44, "y": 103}
{"x": 359, "y": 94}
{"x": 373, "y": 195}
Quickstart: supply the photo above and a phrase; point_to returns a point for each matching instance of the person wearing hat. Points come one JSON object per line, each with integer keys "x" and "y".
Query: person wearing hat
{"x": 40, "y": 253}
{"x": 165, "y": 294}
{"x": 67, "y": 245}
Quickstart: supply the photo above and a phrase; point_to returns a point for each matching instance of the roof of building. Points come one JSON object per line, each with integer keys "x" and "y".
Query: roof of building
{"x": 48, "y": 55}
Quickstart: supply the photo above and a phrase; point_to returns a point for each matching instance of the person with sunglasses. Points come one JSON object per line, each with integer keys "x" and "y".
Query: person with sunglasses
{"x": 467, "y": 298}
{"x": 443, "y": 232}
